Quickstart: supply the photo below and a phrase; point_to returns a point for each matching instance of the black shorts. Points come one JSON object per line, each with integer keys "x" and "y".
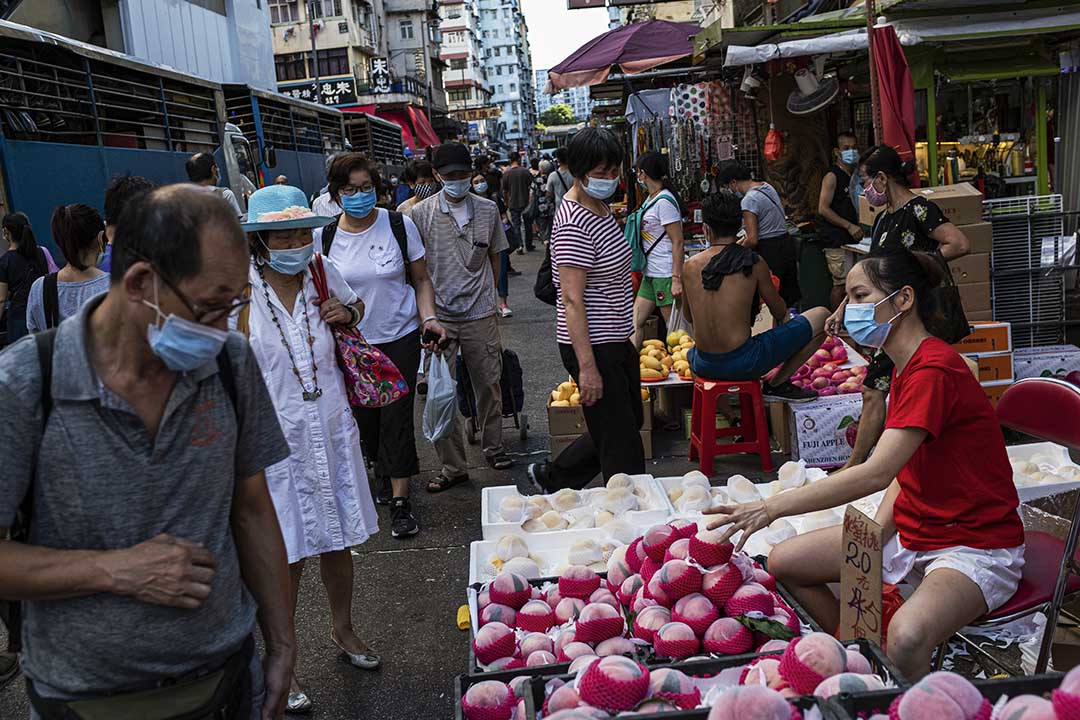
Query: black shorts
{"x": 879, "y": 373}
{"x": 782, "y": 258}
{"x": 387, "y": 434}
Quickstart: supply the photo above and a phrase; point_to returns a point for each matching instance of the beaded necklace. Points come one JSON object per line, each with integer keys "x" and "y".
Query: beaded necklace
{"x": 316, "y": 392}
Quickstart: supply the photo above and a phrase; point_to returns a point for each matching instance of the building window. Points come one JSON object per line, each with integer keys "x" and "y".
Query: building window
{"x": 406, "y": 27}
{"x": 497, "y": 52}
{"x": 292, "y": 66}
{"x": 326, "y": 8}
{"x": 284, "y": 11}
{"x": 458, "y": 64}
{"x": 506, "y": 12}
{"x": 459, "y": 95}
{"x": 513, "y": 87}
{"x": 499, "y": 89}
{"x": 333, "y": 62}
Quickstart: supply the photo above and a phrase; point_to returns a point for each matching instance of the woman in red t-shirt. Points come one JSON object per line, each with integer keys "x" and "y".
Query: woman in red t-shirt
{"x": 949, "y": 510}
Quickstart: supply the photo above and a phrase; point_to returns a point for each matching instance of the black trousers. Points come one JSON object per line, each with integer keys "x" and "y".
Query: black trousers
{"x": 387, "y": 433}
{"x": 613, "y": 443}
{"x": 782, "y": 257}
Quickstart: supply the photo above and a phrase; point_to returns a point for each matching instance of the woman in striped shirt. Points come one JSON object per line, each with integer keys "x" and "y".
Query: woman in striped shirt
{"x": 590, "y": 265}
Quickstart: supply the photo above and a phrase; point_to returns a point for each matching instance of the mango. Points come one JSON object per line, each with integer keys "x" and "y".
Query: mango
{"x": 555, "y": 396}
{"x": 644, "y": 394}
{"x": 651, "y": 363}
{"x": 567, "y": 386}
{"x": 575, "y": 399}
{"x": 666, "y": 361}
{"x": 650, "y": 374}
{"x": 654, "y": 343}
{"x": 673, "y": 338}
{"x": 560, "y": 403}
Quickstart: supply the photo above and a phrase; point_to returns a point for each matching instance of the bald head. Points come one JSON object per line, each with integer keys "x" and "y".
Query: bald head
{"x": 166, "y": 228}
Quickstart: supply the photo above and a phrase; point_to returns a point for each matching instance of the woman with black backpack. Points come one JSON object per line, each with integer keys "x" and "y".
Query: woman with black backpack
{"x": 79, "y": 231}
{"x": 22, "y": 264}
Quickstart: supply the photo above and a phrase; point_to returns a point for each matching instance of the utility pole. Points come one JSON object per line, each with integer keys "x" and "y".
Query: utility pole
{"x": 314, "y": 50}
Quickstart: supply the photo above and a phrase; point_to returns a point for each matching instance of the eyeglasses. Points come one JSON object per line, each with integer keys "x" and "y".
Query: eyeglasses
{"x": 205, "y": 315}
{"x": 352, "y": 189}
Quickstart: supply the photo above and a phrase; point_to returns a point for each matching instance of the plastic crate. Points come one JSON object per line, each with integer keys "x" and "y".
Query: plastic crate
{"x": 865, "y": 704}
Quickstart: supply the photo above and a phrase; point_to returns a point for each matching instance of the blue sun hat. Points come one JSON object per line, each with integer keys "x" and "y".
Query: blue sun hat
{"x": 281, "y": 207}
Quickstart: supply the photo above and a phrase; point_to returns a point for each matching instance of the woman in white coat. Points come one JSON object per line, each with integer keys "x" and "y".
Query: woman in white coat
{"x": 321, "y": 491}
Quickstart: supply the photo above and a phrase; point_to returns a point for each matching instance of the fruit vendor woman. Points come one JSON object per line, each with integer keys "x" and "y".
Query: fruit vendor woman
{"x": 950, "y": 506}
{"x": 724, "y": 286}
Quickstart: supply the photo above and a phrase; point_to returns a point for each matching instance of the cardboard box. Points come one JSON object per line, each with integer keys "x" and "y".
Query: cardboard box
{"x": 651, "y": 331}
{"x": 971, "y": 269}
{"x": 975, "y": 296}
{"x": 558, "y": 443}
{"x": 986, "y": 337}
{"x": 979, "y": 315}
{"x": 1046, "y": 361}
{"x": 961, "y": 204}
{"x": 994, "y": 390}
{"x": 981, "y": 237}
{"x": 823, "y": 431}
{"x": 779, "y": 429}
{"x": 993, "y": 367}
{"x": 722, "y": 423}
{"x": 565, "y": 420}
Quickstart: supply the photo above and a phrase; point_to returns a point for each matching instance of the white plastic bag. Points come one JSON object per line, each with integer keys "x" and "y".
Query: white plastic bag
{"x": 441, "y": 402}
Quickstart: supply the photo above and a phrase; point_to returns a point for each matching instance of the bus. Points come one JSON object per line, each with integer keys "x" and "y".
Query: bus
{"x": 73, "y": 116}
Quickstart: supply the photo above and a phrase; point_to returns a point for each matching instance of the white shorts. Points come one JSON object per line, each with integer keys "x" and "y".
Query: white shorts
{"x": 996, "y": 572}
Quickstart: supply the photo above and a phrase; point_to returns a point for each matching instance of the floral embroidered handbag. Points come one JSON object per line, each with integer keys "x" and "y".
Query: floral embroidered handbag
{"x": 371, "y": 378}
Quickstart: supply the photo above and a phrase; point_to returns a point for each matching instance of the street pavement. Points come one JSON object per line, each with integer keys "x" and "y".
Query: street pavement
{"x": 408, "y": 591}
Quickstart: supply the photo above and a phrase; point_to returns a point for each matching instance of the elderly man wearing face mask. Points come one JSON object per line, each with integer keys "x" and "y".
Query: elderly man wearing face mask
{"x": 464, "y": 238}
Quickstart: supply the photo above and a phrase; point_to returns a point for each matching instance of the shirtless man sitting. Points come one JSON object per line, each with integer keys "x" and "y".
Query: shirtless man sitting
{"x": 721, "y": 287}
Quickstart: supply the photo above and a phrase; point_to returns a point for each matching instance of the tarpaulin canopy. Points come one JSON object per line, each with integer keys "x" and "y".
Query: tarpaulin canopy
{"x": 632, "y": 48}
{"x": 848, "y": 41}
{"x": 424, "y": 132}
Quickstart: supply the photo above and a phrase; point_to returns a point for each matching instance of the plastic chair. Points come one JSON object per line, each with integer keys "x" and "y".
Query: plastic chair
{"x": 752, "y": 427}
{"x": 1044, "y": 408}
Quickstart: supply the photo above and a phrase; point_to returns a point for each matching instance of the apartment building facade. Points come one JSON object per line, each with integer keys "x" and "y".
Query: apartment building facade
{"x": 508, "y": 58}
{"x": 577, "y": 98}
{"x": 468, "y": 89}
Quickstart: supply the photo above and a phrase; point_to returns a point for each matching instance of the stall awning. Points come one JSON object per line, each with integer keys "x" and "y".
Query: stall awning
{"x": 424, "y": 132}
{"x": 848, "y": 41}
{"x": 976, "y": 26}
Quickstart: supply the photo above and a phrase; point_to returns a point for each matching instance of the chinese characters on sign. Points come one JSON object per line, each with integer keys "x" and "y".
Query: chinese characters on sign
{"x": 860, "y": 578}
{"x": 484, "y": 113}
{"x": 330, "y": 92}
{"x": 379, "y": 75}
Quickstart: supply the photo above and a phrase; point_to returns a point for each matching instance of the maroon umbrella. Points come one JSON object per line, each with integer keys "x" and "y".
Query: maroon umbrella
{"x": 632, "y": 48}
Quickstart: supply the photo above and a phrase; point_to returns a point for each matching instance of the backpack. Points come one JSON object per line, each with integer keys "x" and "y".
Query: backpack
{"x": 397, "y": 226}
{"x": 632, "y": 232}
{"x": 45, "y": 343}
{"x": 50, "y": 300}
{"x": 544, "y": 288}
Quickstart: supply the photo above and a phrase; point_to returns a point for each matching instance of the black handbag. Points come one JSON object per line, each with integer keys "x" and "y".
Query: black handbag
{"x": 951, "y": 323}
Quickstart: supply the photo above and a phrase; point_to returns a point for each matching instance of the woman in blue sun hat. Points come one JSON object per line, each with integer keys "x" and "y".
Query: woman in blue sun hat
{"x": 321, "y": 491}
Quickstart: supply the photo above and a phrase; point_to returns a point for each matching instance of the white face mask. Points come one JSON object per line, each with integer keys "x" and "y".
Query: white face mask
{"x": 601, "y": 188}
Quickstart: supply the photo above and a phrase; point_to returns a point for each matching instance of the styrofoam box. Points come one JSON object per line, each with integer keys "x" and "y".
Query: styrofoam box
{"x": 494, "y": 527}
{"x": 549, "y": 549}
{"x": 1046, "y": 455}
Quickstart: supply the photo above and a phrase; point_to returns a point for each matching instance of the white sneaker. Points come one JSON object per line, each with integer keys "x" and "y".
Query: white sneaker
{"x": 505, "y": 311}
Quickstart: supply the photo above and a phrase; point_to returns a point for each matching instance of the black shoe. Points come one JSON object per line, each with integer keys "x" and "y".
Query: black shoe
{"x": 786, "y": 392}
{"x": 385, "y": 493}
{"x": 539, "y": 477}
{"x": 521, "y": 251}
{"x": 402, "y": 522}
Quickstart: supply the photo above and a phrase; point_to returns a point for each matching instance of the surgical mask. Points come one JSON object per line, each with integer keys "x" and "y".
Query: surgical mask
{"x": 849, "y": 157}
{"x": 291, "y": 262}
{"x": 457, "y": 189}
{"x": 360, "y": 204}
{"x": 182, "y": 344}
{"x": 875, "y": 197}
{"x": 480, "y": 188}
{"x": 641, "y": 182}
{"x": 425, "y": 190}
{"x": 601, "y": 188}
{"x": 863, "y": 328}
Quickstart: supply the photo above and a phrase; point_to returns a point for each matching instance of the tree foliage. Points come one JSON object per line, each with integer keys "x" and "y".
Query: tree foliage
{"x": 558, "y": 115}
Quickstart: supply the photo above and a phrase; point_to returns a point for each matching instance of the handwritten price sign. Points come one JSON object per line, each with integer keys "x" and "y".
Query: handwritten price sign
{"x": 860, "y": 578}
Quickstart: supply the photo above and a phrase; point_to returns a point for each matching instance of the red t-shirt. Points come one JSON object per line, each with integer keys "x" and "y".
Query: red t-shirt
{"x": 957, "y": 489}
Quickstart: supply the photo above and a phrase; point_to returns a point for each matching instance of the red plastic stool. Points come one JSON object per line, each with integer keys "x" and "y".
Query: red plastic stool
{"x": 752, "y": 427}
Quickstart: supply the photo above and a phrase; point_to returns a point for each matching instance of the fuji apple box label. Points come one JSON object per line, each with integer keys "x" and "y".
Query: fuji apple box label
{"x": 824, "y": 430}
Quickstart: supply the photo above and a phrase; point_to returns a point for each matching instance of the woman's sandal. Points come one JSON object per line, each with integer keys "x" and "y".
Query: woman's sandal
{"x": 501, "y": 461}
{"x": 441, "y": 483}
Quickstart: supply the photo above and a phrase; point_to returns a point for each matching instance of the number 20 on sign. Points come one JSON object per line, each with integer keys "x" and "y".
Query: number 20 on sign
{"x": 860, "y": 578}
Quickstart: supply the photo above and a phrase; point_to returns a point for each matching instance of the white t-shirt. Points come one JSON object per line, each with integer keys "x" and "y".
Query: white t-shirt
{"x": 664, "y": 211}
{"x": 325, "y": 206}
{"x": 371, "y": 263}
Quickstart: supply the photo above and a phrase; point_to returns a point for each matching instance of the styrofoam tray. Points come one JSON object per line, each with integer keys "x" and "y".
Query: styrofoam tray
{"x": 549, "y": 549}
{"x": 494, "y": 527}
{"x": 1050, "y": 457}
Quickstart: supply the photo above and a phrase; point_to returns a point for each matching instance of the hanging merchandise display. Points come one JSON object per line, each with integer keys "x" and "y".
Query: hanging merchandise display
{"x": 774, "y": 144}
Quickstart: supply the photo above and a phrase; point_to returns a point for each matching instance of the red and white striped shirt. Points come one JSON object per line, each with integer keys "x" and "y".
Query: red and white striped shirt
{"x": 595, "y": 243}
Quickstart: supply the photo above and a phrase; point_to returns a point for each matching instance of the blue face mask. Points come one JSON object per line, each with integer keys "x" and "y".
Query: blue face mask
{"x": 360, "y": 204}
{"x": 863, "y": 328}
{"x": 457, "y": 189}
{"x": 480, "y": 188}
{"x": 601, "y": 188}
{"x": 849, "y": 157}
{"x": 291, "y": 262}
{"x": 182, "y": 345}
